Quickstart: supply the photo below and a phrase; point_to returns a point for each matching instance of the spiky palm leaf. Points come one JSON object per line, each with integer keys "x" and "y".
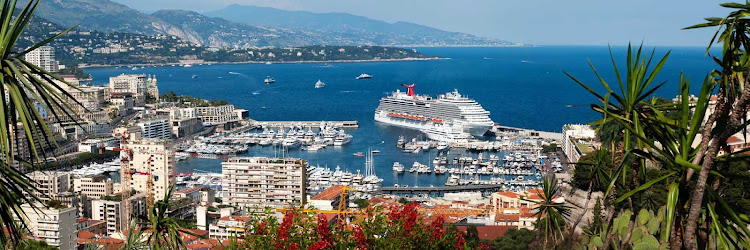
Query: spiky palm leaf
{"x": 23, "y": 85}
{"x": 165, "y": 231}
{"x": 550, "y": 215}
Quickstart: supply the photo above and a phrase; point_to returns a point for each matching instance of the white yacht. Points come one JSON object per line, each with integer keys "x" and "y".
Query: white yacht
{"x": 398, "y": 167}
{"x": 319, "y": 84}
{"x": 269, "y": 80}
{"x": 446, "y": 133}
{"x": 364, "y": 76}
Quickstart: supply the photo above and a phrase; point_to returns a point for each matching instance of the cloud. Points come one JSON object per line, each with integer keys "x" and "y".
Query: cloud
{"x": 279, "y": 4}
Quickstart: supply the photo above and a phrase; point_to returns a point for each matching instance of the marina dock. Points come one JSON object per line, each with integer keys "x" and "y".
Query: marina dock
{"x": 439, "y": 191}
{"x": 286, "y": 124}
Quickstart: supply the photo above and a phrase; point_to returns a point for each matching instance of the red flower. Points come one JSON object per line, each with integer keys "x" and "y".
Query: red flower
{"x": 437, "y": 229}
{"x": 324, "y": 231}
{"x": 319, "y": 245}
{"x": 359, "y": 236}
{"x": 283, "y": 234}
{"x": 460, "y": 241}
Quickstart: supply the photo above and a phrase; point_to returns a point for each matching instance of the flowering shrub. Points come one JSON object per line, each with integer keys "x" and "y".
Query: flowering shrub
{"x": 396, "y": 227}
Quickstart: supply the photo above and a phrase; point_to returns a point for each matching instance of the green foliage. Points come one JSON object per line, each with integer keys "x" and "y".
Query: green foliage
{"x": 472, "y": 237}
{"x": 217, "y": 200}
{"x": 593, "y": 169}
{"x": 74, "y": 70}
{"x": 112, "y": 197}
{"x": 361, "y": 203}
{"x": 550, "y": 215}
{"x": 24, "y": 84}
{"x": 395, "y": 227}
{"x": 646, "y": 231}
{"x": 551, "y": 148}
{"x": 81, "y": 159}
{"x": 189, "y": 100}
{"x": 33, "y": 244}
{"x": 166, "y": 231}
{"x": 514, "y": 239}
{"x": 736, "y": 187}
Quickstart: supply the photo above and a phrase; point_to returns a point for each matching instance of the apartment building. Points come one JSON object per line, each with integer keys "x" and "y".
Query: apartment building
{"x": 93, "y": 186}
{"x": 138, "y": 85}
{"x": 111, "y": 210}
{"x": 148, "y": 160}
{"x": 578, "y": 140}
{"x": 44, "y": 57}
{"x": 258, "y": 182}
{"x": 50, "y": 183}
{"x": 228, "y": 226}
{"x": 54, "y": 225}
{"x": 155, "y": 128}
{"x": 217, "y": 114}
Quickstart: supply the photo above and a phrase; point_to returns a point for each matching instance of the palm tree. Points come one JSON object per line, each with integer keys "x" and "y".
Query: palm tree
{"x": 23, "y": 85}
{"x": 550, "y": 215}
{"x": 165, "y": 231}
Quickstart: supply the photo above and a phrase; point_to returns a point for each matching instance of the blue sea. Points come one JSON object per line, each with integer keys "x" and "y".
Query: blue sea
{"x": 521, "y": 87}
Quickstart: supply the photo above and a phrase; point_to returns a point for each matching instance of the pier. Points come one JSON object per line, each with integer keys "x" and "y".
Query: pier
{"x": 439, "y": 191}
{"x": 286, "y": 124}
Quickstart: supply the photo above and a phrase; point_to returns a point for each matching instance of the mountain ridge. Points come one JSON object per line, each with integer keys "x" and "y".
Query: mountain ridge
{"x": 273, "y": 27}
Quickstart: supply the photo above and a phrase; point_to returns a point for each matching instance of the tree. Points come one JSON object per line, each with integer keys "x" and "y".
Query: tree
{"x": 514, "y": 239}
{"x": 472, "y": 237}
{"x": 550, "y": 215}
{"x": 165, "y": 230}
{"x": 24, "y": 84}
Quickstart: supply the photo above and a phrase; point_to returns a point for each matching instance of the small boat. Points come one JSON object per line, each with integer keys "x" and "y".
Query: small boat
{"x": 195, "y": 76}
{"x": 134, "y": 68}
{"x": 359, "y": 154}
{"x": 398, "y": 167}
{"x": 269, "y": 80}
{"x": 319, "y": 84}
{"x": 328, "y": 65}
{"x": 187, "y": 65}
{"x": 364, "y": 76}
{"x": 376, "y": 151}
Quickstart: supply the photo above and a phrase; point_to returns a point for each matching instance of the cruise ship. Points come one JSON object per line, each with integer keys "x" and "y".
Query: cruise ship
{"x": 422, "y": 112}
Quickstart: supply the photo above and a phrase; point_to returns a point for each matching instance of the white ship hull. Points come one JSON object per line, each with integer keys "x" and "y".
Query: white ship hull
{"x": 473, "y": 129}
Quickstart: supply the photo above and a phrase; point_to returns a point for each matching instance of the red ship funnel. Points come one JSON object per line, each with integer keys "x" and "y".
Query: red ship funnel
{"x": 410, "y": 89}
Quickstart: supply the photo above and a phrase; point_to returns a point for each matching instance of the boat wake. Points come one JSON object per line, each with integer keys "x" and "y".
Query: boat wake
{"x": 347, "y": 91}
{"x": 524, "y": 61}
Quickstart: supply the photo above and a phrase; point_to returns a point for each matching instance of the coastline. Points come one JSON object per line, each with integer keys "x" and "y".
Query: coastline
{"x": 265, "y": 62}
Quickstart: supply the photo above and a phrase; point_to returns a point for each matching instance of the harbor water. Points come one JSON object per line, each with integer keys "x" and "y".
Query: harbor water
{"x": 521, "y": 87}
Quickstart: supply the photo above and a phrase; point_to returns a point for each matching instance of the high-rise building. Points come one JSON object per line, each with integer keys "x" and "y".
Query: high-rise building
{"x": 259, "y": 182}
{"x": 155, "y": 128}
{"x": 54, "y": 225}
{"x": 44, "y": 57}
{"x": 151, "y": 164}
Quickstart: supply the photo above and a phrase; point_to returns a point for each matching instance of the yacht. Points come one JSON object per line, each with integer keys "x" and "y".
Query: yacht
{"x": 342, "y": 139}
{"x": 269, "y": 80}
{"x": 446, "y": 133}
{"x": 364, "y": 76}
{"x": 398, "y": 167}
{"x": 319, "y": 84}
{"x": 290, "y": 143}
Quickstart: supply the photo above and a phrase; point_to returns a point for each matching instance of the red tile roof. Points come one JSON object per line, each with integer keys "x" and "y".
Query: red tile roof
{"x": 330, "y": 193}
{"x": 85, "y": 237}
{"x": 506, "y": 217}
{"x": 509, "y": 194}
{"x": 488, "y": 232}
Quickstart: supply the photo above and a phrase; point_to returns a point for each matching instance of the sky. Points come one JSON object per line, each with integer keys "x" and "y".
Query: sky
{"x": 542, "y": 22}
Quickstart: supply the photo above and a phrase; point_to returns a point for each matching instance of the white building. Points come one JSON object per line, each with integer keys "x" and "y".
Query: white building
{"x": 111, "y": 209}
{"x": 217, "y": 115}
{"x": 148, "y": 160}
{"x": 228, "y": 226}
{"x": 50, "y": 183}
{"x": 578, "y": 140}
{"x": 258, "y": 182}
{"x": 44, "y": 57}
{"x": 93, "y": 186}
{"x": 139, "y": 85}
{"x": 156, "y": 128}
{"x": 56, "y": 226}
